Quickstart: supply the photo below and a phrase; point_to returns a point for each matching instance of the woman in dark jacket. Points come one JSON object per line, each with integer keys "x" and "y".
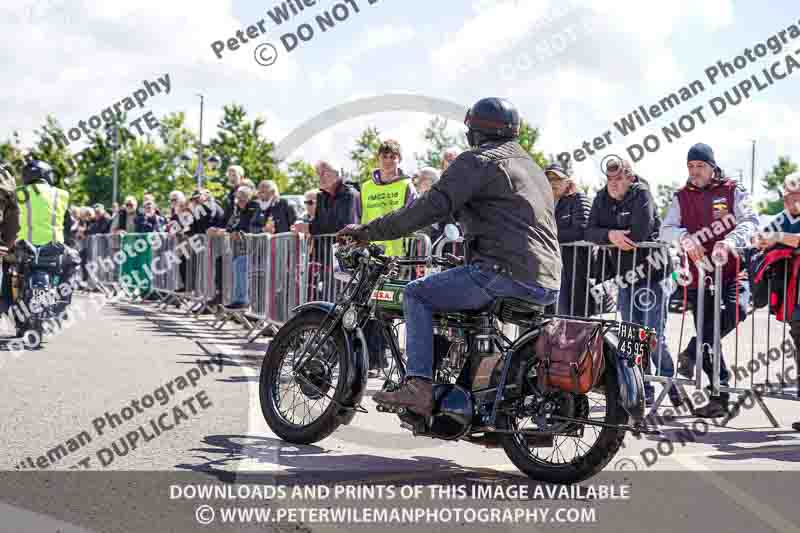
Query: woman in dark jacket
{"x": 274, "y": 215}
{"x": 572, "y": 217}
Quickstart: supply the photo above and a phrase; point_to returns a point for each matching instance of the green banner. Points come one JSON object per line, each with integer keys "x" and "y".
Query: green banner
{"x": 135, "y": 273}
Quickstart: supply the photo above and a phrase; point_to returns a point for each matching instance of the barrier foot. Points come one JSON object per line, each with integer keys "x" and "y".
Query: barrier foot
{"x": 657, "y": 403}
{"x": 686, "y": 400}
{"x": 766, "y": 410}
{"x": 267, "y": 330}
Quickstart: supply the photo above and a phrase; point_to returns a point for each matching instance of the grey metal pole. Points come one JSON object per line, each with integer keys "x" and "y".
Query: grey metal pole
{"x": 200, "y": 148}
{"x": 701, "y": 296}
{"x": 753, "y": 170}
{"x": 717, "y": 330}
{"x": 116, "y": 163}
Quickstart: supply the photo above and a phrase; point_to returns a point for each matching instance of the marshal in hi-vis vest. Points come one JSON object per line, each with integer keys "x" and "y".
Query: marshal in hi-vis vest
{"x": 41, "y": 213}
{"x": 379, "y": 200}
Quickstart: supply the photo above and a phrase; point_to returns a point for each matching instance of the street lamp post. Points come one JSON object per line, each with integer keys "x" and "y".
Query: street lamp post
{"x": 115, "y": 145}
{"x": 200, "y": 169}
{"x": 753, "y": 170}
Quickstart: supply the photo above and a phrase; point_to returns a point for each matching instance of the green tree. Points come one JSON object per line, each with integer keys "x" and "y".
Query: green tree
{"x": 664, "y": 195}
{"x": 365, "y": 154}
{"x": 94, "y": 172}
{"x": 527, "y": 139}
{"x": 176, "y": 141}
{"x": 773, "y": 183}
{"x": 439, "y": 140}
{"x": 11, "y": 154}
{"x": 239, "y": 142}
{"x": 302, "y": 177}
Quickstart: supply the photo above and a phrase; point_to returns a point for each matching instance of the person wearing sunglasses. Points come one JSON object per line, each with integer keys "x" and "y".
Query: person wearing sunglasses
{"x": 125, "y": 219}
{"x": 310, "y": 205}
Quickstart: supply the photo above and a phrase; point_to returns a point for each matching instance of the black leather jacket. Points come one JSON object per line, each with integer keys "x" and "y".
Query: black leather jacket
{"x": 505, "y": 206}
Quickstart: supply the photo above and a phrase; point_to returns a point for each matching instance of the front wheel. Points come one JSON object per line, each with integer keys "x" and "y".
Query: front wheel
{"x": 298, "y": 406}
{"x": 579, "y": 451}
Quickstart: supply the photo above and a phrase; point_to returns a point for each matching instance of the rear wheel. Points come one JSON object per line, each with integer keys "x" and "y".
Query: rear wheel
{"x": 31, "y": 333}
{"x": 577, "y": 451}
{"x": 298, "y": 407}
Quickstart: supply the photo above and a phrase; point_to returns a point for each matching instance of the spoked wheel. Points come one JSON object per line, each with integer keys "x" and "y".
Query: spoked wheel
{"x": 577, "y": 451}
{"x": 298, "y": 406}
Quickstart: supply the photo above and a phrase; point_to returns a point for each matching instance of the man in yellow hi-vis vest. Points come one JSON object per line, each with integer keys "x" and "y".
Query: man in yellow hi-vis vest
{"x": 44, "y": 213}
{"x": 388, "y": 191}
{"x": 43, "y": 207}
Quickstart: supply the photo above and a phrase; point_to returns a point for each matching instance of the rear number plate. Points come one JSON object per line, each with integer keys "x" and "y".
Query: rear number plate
{"x": 634, "y": 342}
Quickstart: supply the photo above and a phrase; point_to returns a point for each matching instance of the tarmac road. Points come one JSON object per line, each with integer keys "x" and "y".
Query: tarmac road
{"x": 61, "y": 394}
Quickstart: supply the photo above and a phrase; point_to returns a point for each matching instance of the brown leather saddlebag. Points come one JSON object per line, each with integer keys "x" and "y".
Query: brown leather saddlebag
{"x": 569, "y": 356}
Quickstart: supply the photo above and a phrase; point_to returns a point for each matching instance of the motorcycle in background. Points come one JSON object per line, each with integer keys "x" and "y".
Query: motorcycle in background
{"x": 35, "y": 281}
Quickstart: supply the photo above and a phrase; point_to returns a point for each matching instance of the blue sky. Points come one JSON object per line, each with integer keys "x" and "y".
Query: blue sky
{"x": 75, "y": 58}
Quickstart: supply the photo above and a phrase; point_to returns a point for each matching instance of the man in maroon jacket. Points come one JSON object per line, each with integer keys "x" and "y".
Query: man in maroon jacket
{"x": 711, "y": 215}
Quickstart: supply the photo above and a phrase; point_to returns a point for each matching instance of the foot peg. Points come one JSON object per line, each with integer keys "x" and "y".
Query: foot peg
{"x": 386, "y": 408}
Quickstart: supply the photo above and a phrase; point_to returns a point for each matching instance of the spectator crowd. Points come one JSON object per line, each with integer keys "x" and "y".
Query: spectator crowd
{"x": 622, "y": 217}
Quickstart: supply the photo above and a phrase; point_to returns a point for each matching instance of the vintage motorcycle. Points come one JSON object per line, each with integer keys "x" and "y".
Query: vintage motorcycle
{"x": 486, "y": 387}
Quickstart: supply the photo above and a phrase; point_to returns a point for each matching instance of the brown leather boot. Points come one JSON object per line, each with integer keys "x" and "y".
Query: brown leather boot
{"x": 415, "y": 394}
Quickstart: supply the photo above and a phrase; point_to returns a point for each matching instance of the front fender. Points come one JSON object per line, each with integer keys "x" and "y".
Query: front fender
{"x": 629, "y": 379}
{"x": 357, "y": 369}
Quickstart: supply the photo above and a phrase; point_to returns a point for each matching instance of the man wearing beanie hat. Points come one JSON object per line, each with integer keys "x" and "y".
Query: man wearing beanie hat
{"x": 711, "y": 216}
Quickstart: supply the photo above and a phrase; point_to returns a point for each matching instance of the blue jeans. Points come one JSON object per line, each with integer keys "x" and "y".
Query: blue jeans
{"x": 466, "y": 288}
{"x": 649, "y": 308}
{"x": 240, "y": 281}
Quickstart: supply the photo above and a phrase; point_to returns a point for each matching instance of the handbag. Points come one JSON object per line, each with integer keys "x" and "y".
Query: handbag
{"x": 569, "y": 356}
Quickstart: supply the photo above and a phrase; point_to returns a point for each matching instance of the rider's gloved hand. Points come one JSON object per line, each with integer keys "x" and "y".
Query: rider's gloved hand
{"x": 454, "y": 259}
{"x": 357, "y": 232}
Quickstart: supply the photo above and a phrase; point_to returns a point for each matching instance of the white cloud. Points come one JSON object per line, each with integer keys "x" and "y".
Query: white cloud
{"x": 495, "y": 28}
{"x": 340, "y": 75}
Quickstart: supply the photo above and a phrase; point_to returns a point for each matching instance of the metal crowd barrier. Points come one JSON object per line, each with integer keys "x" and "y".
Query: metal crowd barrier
{"x": 599, "y": 291}
{"x": 101, "y": 249}
{"x": 749, "y": 375}
{"x": 280, "y": 272}
{"x": 762, "y": 376}
{"x": 167, "y": 280}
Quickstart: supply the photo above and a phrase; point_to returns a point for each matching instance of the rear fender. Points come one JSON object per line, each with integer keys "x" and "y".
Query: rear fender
{"x": 356, "y": 376}
{"x": 629, "y": 378}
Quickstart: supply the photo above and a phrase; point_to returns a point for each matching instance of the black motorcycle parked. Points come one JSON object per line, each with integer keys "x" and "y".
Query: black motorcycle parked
{"x": 313, "y": 378}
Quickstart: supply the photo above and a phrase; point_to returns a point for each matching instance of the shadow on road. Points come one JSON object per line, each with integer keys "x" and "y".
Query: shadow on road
{"x": 291, "y": 464}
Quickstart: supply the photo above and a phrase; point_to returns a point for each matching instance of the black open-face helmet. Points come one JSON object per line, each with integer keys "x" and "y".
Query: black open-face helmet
{"x": 36, "y": 171}
{"x": 492, "y": 119}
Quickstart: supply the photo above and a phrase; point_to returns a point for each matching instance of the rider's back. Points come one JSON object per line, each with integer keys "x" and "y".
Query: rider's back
{"x": 508, "y": 218}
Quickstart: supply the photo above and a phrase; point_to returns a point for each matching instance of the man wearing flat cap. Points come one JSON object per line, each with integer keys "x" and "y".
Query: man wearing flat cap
{"x": 711, "y": 216}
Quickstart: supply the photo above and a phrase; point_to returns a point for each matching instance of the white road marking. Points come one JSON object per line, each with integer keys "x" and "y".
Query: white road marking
{"x": 765, "y": 512}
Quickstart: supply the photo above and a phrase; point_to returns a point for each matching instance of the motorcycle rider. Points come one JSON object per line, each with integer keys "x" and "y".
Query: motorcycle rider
{"x": 505, "y": 205}
{"x": 9, "y": 226}
{"x": 44, "y": 215}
